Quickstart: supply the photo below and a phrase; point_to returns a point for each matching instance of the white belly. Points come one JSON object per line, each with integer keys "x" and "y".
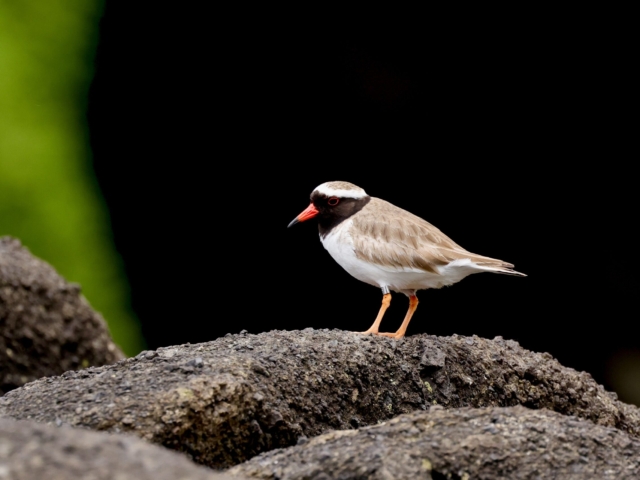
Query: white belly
{"x": 340, "y": 246}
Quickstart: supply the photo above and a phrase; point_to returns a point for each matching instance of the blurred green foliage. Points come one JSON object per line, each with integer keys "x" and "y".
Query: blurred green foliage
{"x": 49, "y": 197}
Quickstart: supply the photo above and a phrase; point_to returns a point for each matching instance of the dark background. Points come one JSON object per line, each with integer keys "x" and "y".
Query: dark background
{"x": 209, "y": 132}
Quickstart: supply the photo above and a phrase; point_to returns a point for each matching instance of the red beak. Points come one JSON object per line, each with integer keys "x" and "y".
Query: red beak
{"x": 308, "y": 213}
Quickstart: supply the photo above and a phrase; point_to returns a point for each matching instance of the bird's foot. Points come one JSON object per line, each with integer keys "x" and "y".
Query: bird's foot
{"x": 367, "y": 332}
{"x": 395, "y": 335}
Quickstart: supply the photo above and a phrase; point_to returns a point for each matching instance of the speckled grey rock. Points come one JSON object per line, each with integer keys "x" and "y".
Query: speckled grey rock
{"x": 225, "y": 401}
{"x": 46, "y": 325}
{"x": 512, "y": 443}
{"x": 32, "y": 451}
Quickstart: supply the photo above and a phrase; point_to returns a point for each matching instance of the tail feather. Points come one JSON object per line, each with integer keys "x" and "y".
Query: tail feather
{"x": 504, "y": 268}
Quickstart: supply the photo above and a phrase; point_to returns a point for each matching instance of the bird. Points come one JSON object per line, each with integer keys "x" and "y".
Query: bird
{"x": 389, "y": 247}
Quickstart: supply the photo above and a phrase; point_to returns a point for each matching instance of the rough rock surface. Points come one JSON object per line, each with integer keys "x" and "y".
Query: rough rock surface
{"x": 32, "y": 451}
{"x": 225, "y": 401}
{"x": 468, "y": 443}
{"x": 46, "y": 325}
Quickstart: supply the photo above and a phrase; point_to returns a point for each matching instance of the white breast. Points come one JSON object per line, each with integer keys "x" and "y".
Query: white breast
{"x": 339, "y": 244}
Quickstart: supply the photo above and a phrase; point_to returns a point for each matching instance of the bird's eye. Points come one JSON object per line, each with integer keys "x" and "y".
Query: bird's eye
{"x": 333, "y": 201}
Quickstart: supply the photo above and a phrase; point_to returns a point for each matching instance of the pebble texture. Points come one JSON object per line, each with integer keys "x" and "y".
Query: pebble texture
{"x": 32, "y": 451}
{"x": 46, "y": 325}
{"x": 225, "y": 401}
{"x": 490, "y": 443}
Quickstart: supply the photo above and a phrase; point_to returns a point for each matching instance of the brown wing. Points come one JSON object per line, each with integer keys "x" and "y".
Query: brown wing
{"x": 392, "y": 237}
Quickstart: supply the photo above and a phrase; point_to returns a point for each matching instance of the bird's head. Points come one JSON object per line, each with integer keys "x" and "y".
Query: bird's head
{"x": 333, "y": 202}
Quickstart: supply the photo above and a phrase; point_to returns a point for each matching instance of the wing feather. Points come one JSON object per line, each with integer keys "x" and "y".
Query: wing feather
{"x": 397, "y": 239}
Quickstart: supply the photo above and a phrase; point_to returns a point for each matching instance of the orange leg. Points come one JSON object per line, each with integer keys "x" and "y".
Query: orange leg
{"x": 413, "y": 304}
{"x": 386, "y": 301}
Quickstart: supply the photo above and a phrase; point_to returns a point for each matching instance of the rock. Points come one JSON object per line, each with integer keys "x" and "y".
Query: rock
{"x": 496, "y": 372}
{"x": 32, "y": 451}
{"x": 46, "y": 325}
{"x": 223, "y": 402}
{"x": 467, "y": 443}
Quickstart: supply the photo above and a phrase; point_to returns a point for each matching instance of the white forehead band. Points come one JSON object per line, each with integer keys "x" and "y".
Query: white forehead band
{"x": 339, "y": 192}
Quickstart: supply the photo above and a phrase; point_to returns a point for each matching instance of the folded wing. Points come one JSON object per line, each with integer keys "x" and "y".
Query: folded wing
{"x": 398, "y": 240}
